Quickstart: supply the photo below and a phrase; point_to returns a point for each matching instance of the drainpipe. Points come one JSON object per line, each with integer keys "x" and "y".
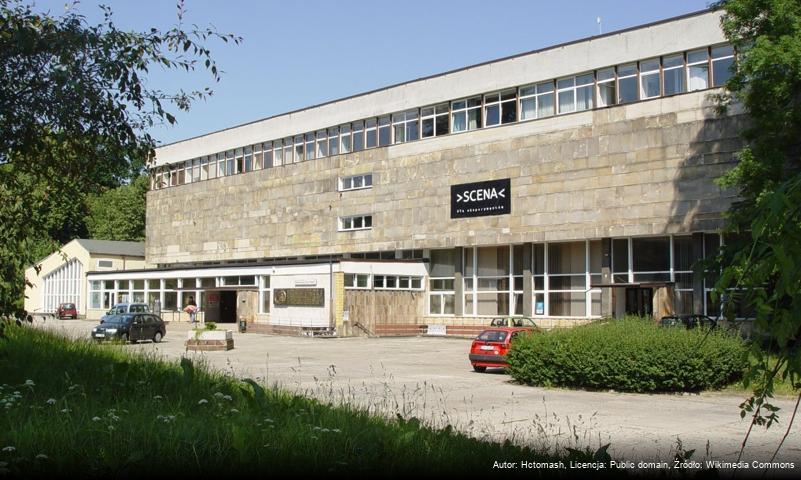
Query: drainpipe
{"x": 331, "y": 320}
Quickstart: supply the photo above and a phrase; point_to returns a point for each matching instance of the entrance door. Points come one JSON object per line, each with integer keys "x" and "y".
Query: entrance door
{"x": 640, "y": 301}
{"x": 227, "y": 307}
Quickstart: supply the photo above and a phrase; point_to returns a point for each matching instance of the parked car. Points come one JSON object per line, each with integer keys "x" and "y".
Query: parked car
{"x": 131, "y": 327}
{"x": 688, "y": 321}
{"x": 490, "y": 347}
{"x": 66, "y": 310}
{"x": 121, "y": 308}
{"x": 513, "y": 322}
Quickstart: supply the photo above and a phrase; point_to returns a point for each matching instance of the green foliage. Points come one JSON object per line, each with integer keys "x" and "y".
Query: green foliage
{"x": 75, "y": 106}
{"x": 97, "y": 410}
{"x": 119, "y": 213}
{"x": 631, "y": 354}
{"x": 210, "y": 326}
{"x": 761, "y": 271}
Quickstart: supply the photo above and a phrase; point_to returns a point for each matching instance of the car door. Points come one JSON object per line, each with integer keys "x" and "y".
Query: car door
{"x": 150, "y": 327}
{"x": 137, "y": 327}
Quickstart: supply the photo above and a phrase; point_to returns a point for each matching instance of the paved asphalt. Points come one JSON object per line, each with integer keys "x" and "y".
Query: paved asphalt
{"x": 430, "y": 378}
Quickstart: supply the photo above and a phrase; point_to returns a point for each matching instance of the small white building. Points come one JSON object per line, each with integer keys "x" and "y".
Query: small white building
{"x": 61, "y": 276}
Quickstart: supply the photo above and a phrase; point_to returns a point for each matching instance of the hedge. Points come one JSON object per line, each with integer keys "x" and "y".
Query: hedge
{"x": 631, "y": 355}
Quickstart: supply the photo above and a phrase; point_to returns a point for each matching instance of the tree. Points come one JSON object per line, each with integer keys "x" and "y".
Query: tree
{"x": 761, "y": 269}
{"x": 75, "y": 107}
{"x": 119, "y": 213}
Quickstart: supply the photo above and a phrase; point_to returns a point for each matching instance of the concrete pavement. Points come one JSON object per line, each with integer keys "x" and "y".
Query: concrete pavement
{"x": 430, "y": 378}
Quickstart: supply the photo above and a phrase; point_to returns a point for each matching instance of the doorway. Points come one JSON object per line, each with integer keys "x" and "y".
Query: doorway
{"x": 640, "y": 302}
{"x": 227, "y": 306}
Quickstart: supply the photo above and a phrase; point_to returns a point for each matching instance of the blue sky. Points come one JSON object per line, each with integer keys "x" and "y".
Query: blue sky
{"x": 300, "y": 53}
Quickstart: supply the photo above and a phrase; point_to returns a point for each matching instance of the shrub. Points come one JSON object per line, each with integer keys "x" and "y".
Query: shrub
{"x": 630, "y": 354}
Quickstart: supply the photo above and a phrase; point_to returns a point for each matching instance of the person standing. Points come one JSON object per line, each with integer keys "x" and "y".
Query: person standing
{"x": 191, "y": 309}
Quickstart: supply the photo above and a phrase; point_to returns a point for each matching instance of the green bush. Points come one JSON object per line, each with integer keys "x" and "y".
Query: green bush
{"x": 630, "y": 354}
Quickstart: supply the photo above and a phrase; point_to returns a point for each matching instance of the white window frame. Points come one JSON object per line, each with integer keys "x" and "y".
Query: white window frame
{"x": 346, "y": 224}
{"x": 463, "y": 107}
{"x": 647, "y": 74}
{"x": 347, "y": 183}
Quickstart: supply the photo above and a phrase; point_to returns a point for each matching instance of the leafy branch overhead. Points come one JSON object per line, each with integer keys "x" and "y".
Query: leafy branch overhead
{"x": 75, "y": 110}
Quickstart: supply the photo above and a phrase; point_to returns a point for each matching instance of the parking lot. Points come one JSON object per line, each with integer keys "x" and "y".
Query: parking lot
{"x": 430, "y": 378}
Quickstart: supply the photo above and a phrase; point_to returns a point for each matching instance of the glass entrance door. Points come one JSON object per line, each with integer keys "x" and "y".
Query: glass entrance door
{"x": 639, "y": 301}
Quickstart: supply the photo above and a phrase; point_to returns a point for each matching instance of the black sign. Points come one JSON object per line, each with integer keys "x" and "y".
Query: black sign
{"x": 481, "y": 198}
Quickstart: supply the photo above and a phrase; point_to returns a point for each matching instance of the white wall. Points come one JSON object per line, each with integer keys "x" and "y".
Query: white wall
{"x": 301, "y": 316}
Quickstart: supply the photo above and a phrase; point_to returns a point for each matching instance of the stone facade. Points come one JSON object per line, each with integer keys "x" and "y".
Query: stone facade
{"x": 646, "y": 168}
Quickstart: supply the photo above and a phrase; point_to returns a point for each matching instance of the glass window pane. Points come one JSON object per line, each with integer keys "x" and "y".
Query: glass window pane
{"x": 566, "y": 257}
{"x": 674, "y": 81}
{"x": 699, "y": 77}
{"x": 568, "y": 304}
{"x": 651, "y": 254}
{"x": 628, "y": 89}
{"x": 722, "y": 71}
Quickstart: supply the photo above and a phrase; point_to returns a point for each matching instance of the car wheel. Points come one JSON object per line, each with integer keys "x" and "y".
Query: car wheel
{"x": 157, "y": 337}
{"x": 479, "y": 369}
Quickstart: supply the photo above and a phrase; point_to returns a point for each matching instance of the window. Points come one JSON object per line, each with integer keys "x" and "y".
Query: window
{"x": 288, "y": 151}
{"x": 258, "y": 158}
{"x": 620, "y": 261}
{"x": 298, "y": 157}
{"x": 487, "y": 281}
{"x": 698, "y": 70}
{"x": 538, "y": 283}
{"x": 627, "y": 83}
{"x": 384, "y": 131}
{"x": 322, "y": 144}
{"x": 105, "y": 264}
{"x": 683, "y": 261}
{"x": 268, "y": 155}
{"x": 649, "y": 78}
{"x": 466, "y": 114}
{"x": 500, "y": 108}
{"x": 357, "y": 281}
{"x": 393, "y": 282}
{"x": 264, "y": 294}
{"x": 567, "y": 279}
{"x": 333, "y": 141}
{"x": 358, "y": 222}
{"x": 441, "y": 296}
{"x": 239, "y": 161}
{"x": 356, "y": 182}
{"x": 434, "y": 120}
{"x": 248, "y": 161}
{"x": 239, "y": 280}
{"x": 673, "y": 71}
{"x": 345, "y": 137}
{"x": 651, "y": 259}
{"x": 358, "y": 136}
{"x": 310, "y": 146}
{"x": 722, "y": 62}
{"x": 230, "y": 166}
{"x": 371, "y": 133}
{"x": 95, "y": 294}
{"x": 575, "y": 93}
{"x": 405, "y": 126}
{"x": 606, "y": 87}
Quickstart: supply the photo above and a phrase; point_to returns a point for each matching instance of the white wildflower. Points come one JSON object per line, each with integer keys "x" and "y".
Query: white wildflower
{"x": 65, "y": 410}
{"x": 96, "y": 419}
{"x": 51, "y": 401}
{"x": 336, "y": 430}
{"x": 29, "y": 383}
{"x": 42, "y": 456}
{"x": 202, "y": 401}
{"x": 227, "y": 397}
{"x": 157, "y": 397}
{"x": 219, "y": 395}
{"x": 233, "y": 410}
{"x": 9, "y": 449}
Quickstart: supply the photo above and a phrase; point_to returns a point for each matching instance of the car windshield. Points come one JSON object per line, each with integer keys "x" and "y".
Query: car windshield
{"x": 68, "y": 305}
{"x": 120, "y": 319}
{"x": 493, "y": 336}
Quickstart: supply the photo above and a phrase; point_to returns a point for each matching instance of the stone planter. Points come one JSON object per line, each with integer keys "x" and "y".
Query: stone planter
{"x": 209, "y": 340}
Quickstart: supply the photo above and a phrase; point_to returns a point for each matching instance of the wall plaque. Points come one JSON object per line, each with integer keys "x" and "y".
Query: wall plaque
{"x": 493, "y": 197}
{"x": 299, "y": 297}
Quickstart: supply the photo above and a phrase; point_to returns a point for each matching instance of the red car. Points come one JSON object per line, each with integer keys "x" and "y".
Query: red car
{"x": 67, "y": 310}
{"x": 490, "y": 347}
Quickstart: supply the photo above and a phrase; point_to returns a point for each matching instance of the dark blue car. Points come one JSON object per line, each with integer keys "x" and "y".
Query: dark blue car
{"x": 131, "y": 327}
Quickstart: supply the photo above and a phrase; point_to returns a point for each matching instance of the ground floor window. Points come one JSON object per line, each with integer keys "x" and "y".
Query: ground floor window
{"x": 441, "y": 296}
{"x": 265, "y": 294}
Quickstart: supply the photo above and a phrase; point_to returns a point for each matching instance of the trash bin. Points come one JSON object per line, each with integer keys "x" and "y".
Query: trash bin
{"x": 243, "y": 325}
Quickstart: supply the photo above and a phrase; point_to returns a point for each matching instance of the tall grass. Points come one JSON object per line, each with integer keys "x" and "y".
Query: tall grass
{"x": 74, "y": 407}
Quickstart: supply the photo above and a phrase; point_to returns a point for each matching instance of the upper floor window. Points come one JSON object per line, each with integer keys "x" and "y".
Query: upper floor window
{"x": 649, "y": 79}
{"x": 357, "y": 222}
{"x": 356, "y": 182}
{"x": 347, "y": 145}
{"x": 466, "y": 114}
{"x": 358, "y": 136}
{"x": 298, "y": 148}
{"x": 606, "y": 87}
{"x": 722, "y": 62}
{"x": 384, "y": 131}
{"x": 406, "y": 126}
{"x": 575, "y": 93}
{"x": 322, "y": 144}
{"x": 310, "y": 146}
{"x": 333, "y": 141}
{"x": 435, "y": 121}
{"x": 371, "y": 133}
{"x": 500, "y": 107}
{"x": 627, "y": 83}
{"x": 673, "y": 72}
{"x": 698, "y": 70}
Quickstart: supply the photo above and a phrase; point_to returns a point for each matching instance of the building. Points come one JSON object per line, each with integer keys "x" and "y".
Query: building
{"x": 62, "y": 275}
{"x": 565, "y": 184}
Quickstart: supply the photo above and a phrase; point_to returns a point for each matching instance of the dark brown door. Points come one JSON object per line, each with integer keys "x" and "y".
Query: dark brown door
{"x": 639, "y": 301}
{"x": 228, "y": 307}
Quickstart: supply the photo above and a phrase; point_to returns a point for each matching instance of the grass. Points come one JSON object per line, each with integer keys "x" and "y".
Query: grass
{"x": 782, "y": 386}
{"x": 74, "y": 407}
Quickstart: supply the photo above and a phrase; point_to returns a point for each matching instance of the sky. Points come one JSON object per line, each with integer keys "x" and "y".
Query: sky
{"x": 298, "y": 53}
